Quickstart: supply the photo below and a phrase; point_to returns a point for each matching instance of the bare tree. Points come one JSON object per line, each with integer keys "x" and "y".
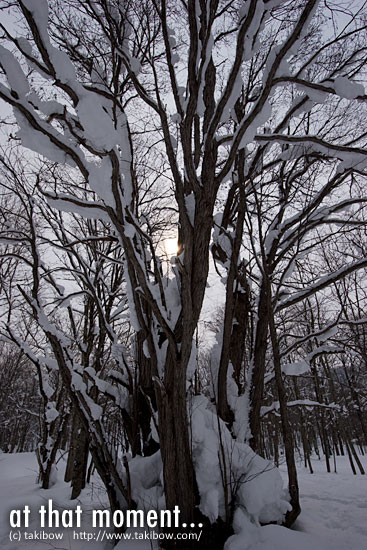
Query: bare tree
{"x": 237, "y": 102}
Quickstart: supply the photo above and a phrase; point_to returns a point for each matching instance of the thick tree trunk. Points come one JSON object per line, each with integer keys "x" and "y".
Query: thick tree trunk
{"x": 80, "y": 463}
{"x": 178, "y": 471}
{"x": 76, "y": 467}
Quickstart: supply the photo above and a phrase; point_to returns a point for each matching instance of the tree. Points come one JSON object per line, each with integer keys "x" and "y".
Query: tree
{"x": 230, "y": 96}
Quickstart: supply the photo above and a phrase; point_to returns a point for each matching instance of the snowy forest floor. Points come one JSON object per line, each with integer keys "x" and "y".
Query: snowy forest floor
{"x": 334, "y": 510}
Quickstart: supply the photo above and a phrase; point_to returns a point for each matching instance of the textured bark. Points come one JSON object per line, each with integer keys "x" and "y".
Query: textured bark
{"x": 71, "y": 453}
{"x": 144, "y": 401}
{"x": 259, "y": 355}
{"x": 239, "y": 333}
{"x": 234, "y": 305}
{"x": 174, "y": 439}
{"x": 292, "y": 515}
{"x": 79, "y": 458}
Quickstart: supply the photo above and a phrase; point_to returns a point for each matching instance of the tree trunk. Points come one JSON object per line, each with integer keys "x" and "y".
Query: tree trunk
{"x": 286, "y": 429}
{"x": 178, "y": 471}
{"x": 81, "y": 448}
{"x": 258, "y": 368}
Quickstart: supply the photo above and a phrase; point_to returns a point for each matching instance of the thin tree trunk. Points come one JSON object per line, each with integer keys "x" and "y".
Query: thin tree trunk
{"x": 258, "y": 368}
{"x": 286, "y": 429}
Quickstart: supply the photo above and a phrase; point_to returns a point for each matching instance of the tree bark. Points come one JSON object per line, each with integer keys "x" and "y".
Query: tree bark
{"x": 258, "y": 367}
{"x": 292, "y": 515}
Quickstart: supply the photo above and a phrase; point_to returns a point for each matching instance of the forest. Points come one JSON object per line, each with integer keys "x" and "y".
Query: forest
{"x": 183, "y": 250}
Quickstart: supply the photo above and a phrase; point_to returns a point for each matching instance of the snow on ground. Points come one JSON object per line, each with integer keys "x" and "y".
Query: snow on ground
{"x": 334, "y": 511}
{"x": 18, "y": 488}
{"x": 334, "y": 506}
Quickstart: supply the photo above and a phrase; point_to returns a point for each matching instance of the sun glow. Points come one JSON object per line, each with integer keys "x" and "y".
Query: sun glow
{"x": 170, "y": 247}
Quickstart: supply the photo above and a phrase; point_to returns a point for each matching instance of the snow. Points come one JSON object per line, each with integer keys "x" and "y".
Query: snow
{"x": 18, "y": 488}
{"x": 135, "y": 65}
{"x": 176, "y": 118}
{"x": 241, "y": 410}
{"x": 97, "y": 124}
{"x": 147, "y": 481}
{"x": 146, "y": 349}
{"x": 39, "y": 10}
{"x": 275, "y": 537}
{"x": 333, "y": 514}
{"x": 16, "y": 78}
{"x": 347, "y": 88}
{"x": 261, "y": 118}
{"x": 228, "y": 111}
{"x": 51, "y": 413}
{"x": 95, "y": 410}
{"x": 260, "y": 487}
{"x": 297, "y": 368}
{"x": 25, "y": 45}
{"x": 262, "y": 492}
{"x": 77, "y": 382}
{"x": 41, "y": 143}
{"x": 190, "y": 207}
{"x": 333, "y": 507}
{"x": 328, "y": 334}
{"x": 100, "y": 180}
{"x": 172, "y": 300}
{"x": 303, "y": 402}
{"x": 65, "y": 203}
{"x": 132, "y": 311}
